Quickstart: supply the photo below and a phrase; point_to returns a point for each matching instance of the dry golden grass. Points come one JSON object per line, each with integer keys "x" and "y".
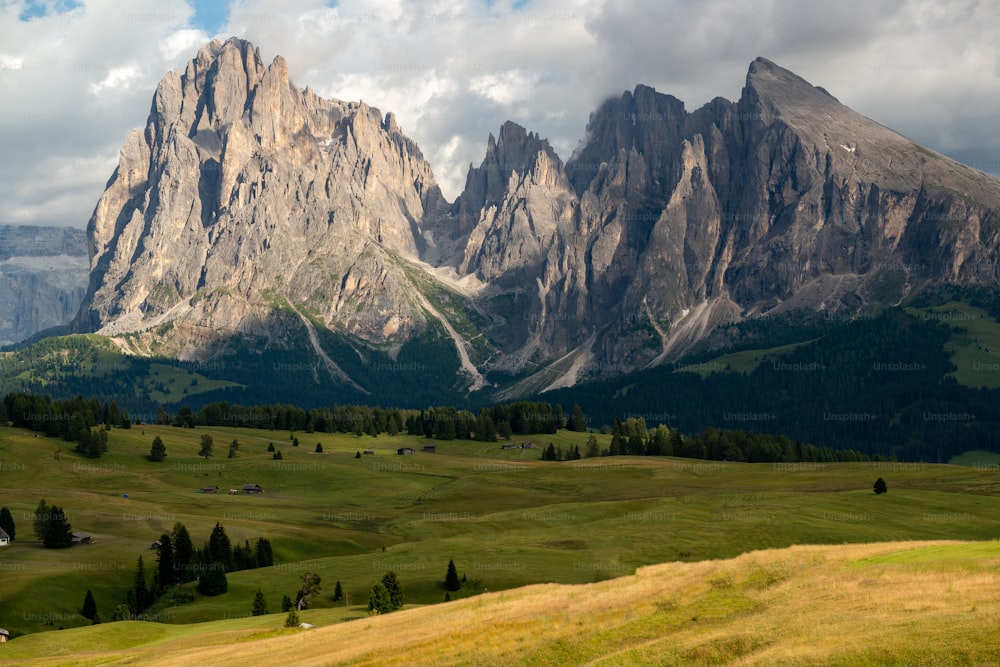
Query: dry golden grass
{"x": 901, "y": 603}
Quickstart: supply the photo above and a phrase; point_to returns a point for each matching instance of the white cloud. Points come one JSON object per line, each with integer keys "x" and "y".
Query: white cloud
{"x": 454, "y": 70}
{"x": 118, "y": 77}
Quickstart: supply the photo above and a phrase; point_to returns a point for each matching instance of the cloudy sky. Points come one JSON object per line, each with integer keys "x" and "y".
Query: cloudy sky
{"x": 77, "y": 75}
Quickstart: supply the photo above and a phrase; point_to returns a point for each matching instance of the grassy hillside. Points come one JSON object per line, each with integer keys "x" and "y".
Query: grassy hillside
{"x": 869, "y": 604}
{"x": 974, "y": 344}
{"x": 506, "y": 518}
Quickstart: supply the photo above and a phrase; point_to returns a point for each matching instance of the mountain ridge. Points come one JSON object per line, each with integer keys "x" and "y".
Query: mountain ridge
{"x": 244, "y": 193}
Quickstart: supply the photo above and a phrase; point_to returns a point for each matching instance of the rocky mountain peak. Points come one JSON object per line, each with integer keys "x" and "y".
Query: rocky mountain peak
{"x": 244, "y": 191}
{"x": 247, "y": 203}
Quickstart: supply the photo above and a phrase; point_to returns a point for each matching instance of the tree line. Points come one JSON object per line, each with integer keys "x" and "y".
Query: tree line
{"x": 179, "y": 562}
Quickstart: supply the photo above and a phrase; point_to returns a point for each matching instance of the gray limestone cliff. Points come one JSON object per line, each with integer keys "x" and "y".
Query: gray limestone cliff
{"x": 245, "y": 197}
{"x": 243, "y": 194}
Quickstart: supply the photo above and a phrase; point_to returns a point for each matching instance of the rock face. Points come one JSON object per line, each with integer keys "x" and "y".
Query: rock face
{"x": 43, "y": 278}
{"x": 244, "y": 193}
{"x": 673, "y": 222}
{"x": 244, "y": 196}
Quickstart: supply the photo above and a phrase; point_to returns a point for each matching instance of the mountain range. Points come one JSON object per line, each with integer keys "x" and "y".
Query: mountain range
{"x": 249, "y": 216}
{"x": 43, "y": 278}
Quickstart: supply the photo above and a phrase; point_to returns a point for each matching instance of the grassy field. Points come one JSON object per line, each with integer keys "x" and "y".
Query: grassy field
{"x": 744, "y": 361}
{"x": 974, "y": 345}
{"x": 507, "y": 519}
{"x": 914, "y": 603}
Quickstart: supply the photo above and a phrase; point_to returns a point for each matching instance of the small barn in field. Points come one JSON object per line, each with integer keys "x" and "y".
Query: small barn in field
{"x": 209, "y": 489}
{"x": 405, "y": 451}
{"x": 252, "y": 489}
{"x": 4, "y": 538}
{"x": 4, "y": 635}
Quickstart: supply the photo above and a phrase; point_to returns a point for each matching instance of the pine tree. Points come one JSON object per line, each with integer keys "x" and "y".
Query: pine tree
{"x": 310, "y": 587}
{"x": 357, "y": 455}
{"x": 41, "y": 519}
{"x": 7, "y": 522}
{"x": 391, "y": 583}
{"x": 121, "y": 613}
{"x": 447, "y": 597}
{"x": 212, "y": 580}
{"x": 277, "y": 456}
{"x": 259, "y": 604}
{"x": 166, "y": 573}
{"x": 262, "y": 552}
{"x": 880, "y": 486}
{"x": 183, "y": 553}
{"x": 451, "y": 582}
{"x": 319, "y": 448}
{"x": 270, "y": 446}
{"x": 219, "y": 548}
{"x": 577, "y": 421}
{"x": 338, "y": 592}
{"x": 57, "y": 534}
{"x": 292, "y": 620}
{"x": 158, "y": 451}
{"x": 233, "y": 446}
{"x": 378, "y": 600}
{"x": 286, "y": 603}
{"x": 89, "y": 610}
{"x": 142, "y": 594}
{"x": 207, "y": 446}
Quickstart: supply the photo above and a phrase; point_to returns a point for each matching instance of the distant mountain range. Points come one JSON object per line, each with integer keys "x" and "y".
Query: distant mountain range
{"x": 251, "y": 219}
{"x": 43, "y": 278}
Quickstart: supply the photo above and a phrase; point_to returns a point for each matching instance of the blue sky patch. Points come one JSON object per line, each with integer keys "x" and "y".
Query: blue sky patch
{"x": 209, "y": 15}
{"x": 36, "y": 9}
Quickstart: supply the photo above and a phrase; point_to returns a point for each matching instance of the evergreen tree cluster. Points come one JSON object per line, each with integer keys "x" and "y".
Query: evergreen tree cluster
{"x": 880, "y": 385}
{"x": 178, "y": 561}
{"x": 443, "y": 423}
{"x": 631, "y": 437}
{"x": 52, "y": 527}
{"x": 73, "y": 420}
{"x": 385, "y": 596}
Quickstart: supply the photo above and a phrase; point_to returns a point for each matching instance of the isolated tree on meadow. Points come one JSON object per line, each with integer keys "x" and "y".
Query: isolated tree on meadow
{"x": 451, "y": 581}
{"x": 89, "y": 610}
{"x": 338, "y": 592}
{"x": 57, "y": 534}
{"x": 158, "y": 451}
{"x": 378, "y": 600}
{"x": 391, "y": 583}
{"x": 880, "y": 486}
{"x": 319, "y": 448}
{"x": 207, "y": 445}
{"x": 292, "y": 620}
{"x": 233, "y": 446}
{"x": 310, "y": 587}
{"x": 259, "y": 604}
{"x": 7, "y": 522}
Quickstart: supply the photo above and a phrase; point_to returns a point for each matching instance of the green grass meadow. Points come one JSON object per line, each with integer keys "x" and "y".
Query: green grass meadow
{"x": 505, "y": 518}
